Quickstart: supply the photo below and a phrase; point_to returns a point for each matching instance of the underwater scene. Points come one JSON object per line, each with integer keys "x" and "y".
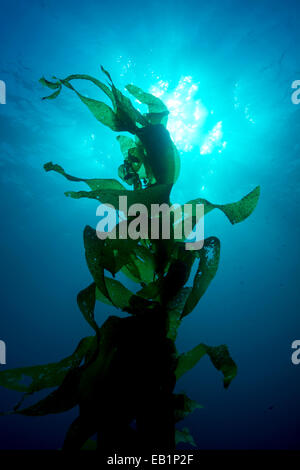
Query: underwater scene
{"x": 126, "y": 328}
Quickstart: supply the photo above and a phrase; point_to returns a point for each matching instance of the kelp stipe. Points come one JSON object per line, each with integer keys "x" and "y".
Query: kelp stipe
{"x": 123, "y": 377}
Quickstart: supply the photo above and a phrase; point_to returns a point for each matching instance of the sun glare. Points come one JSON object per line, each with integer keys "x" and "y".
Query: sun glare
{"x": 187, "y": 117}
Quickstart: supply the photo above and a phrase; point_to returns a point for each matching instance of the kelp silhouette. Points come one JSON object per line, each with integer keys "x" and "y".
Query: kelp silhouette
{"x": 124, "y": 375}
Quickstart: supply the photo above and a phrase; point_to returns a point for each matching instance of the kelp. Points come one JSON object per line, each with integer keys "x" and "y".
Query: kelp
{"x": 44, "y": 376}
{"x": 206, "y": 270}
{"x": 184, "y": 436}
{"x": 127, "y": 371}
{"x": 219, "y": 356}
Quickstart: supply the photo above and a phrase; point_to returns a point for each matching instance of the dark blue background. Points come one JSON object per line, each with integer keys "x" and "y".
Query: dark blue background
{"x": 253, "y": 303}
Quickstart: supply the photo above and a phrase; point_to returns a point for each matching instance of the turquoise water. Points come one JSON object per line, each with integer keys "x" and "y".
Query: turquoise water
{"x": 225, "y": 70}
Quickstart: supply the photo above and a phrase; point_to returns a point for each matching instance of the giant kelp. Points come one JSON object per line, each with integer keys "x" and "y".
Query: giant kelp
{"x": 123, "y": 377}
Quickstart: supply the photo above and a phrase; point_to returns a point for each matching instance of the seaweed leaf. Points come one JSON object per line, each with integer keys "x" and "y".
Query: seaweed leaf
{"x": 236, "y": 212}
{"x": 52, "y": 85}
{"x": 175, "y": 308}
{"x": 94, "y": 375}
{"x": 111, "y": 255}
{"x": 94, "y": 184}
{"x": 107, "y": 254}
{"x": 90, "y": 444}
{"x": 157, "y": 194}
{"x": 97, "y": 82}
{"x": 206, "y": 271}
{"x": 122, "y": 118}
{"x": 101, "y": 111}
{"x": 64, "y": 398}
{"x": 155, "y": 105}
{"x": 219, "y": 356}
{"x": 158, "y": 112}
{"x": 141, "y": 267}
{"x": 183, "y": 406}
{"x": 78, "y": 384}
{"x": 185, "y": 436}
{"x": 151, "y": 290}
{"x": 47, "y": 375}
{"x": 117, "y": 294}
{"x": 86, "y": 300}
{"x": 53, "y": 95}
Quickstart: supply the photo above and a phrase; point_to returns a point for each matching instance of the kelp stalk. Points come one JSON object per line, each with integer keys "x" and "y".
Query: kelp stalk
{"x": 123, "y": 377}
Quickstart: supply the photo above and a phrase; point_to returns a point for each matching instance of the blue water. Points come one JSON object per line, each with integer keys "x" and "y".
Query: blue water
{"x": 244, "y": 57}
